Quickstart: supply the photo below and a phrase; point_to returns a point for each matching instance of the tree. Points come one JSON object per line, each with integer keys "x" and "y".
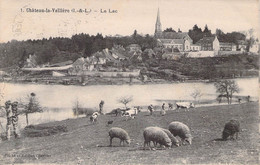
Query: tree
{"x": 125, "y": 100}
{"x": 227, "y": 88}
{"x": 76, "y": 107}
{"x": 197, "y": 94}
{"x": 32, "y": 107}
{"x": 169, "y": 30}
{"x": 206, "y": 29}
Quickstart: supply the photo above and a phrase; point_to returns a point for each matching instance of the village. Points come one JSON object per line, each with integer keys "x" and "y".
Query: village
{"x": 135, "y": 82}
{"x": 132, "y": 63}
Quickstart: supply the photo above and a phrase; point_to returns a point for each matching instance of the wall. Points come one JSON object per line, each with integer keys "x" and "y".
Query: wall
{"x": 108, "y": 74}
{"x": 202, "y": 54}
{"x": 229, "y": 52}
{"x": 216, "y": 45}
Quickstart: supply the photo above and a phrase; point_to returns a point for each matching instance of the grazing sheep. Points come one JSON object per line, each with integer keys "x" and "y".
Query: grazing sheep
{"x": 181, "y": 130}
{"x": 156, "y": 135}
{"x": 231, "y": 128}
{"x": 116, "y": 132}
{"x": 174, "y": 140}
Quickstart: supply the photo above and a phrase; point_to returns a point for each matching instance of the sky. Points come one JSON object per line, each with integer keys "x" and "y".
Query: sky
{"x": 16, "y": 22}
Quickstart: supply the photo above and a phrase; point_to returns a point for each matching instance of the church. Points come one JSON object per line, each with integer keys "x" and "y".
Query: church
{"x": 173, "y": 40}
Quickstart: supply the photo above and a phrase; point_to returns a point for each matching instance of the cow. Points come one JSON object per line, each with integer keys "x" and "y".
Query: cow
{"x": 185, "y": 105}
{"x": 131, "y": 113}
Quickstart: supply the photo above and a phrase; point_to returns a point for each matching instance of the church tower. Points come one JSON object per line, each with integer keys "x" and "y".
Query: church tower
{"x": 158, "y": 26}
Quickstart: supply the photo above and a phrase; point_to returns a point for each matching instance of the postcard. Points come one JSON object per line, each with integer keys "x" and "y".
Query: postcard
{"x": 129, "y": 82}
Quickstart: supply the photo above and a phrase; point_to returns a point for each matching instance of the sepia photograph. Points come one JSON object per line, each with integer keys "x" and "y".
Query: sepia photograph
{"x": 129, "y": 82}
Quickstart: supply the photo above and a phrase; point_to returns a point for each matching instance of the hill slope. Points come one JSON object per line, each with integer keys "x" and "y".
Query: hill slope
{"x": 88, "y": 143}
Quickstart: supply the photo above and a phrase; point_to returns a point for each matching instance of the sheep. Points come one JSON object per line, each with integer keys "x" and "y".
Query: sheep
{"x": 116, "y": 132}
{"x": 181, "y": 130}
{"x": 156, "y": 135}
{"x": 93, "y": 117}
{"x": 231, "y": 128}
{"x": 174, "y": 140}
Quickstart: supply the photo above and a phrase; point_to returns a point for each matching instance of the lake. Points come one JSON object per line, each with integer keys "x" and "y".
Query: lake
{"x": 63, "y": 97}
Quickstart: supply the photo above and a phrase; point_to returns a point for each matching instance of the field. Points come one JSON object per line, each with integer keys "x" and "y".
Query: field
{"x": 87, "y": 143}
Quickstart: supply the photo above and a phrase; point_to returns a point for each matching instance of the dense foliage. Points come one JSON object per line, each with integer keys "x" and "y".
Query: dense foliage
{"x": 52, "y": 50}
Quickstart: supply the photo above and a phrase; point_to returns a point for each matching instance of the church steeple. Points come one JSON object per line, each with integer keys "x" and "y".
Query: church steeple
{"x": 158, "y": 28}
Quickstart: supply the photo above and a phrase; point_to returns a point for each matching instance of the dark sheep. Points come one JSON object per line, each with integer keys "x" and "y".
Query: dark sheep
{"x": 231, "y": 128}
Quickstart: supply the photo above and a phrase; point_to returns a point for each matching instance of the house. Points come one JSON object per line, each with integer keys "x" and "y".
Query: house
{"x": 194, "y": 47}
{"x": 133, "y": 47}
{"x": 209, "y": 43}
{"x": 149, "y": 52}
{"x": 119, "y": 54}
{"x": 31, "y": 61}
{"x": 241, "y": 45}
{"x": 100, "y": 56}
{"x": 136, "y": 55}
{"x": 82, "y": 64}
{"x": 69, "y": 62}
{"x": 254, "y": 48}
{"x": 180, "y": 44}
{"x": 171, "y": 56}
{"x": 176, "y": 35}
{"x": 225, "y": 46}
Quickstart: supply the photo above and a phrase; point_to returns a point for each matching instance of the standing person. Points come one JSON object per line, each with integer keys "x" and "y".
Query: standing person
{"x": 163, "y": 110}
{"x": 9, "y": 118}
{"x": 248, "y": 98}
{"x": 150, "y": 108}
{"x": 15, "y": 119}
{"x": 101, "y": 105}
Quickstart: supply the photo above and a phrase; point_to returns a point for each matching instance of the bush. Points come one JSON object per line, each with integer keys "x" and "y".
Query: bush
{"x": 39, "y": 131}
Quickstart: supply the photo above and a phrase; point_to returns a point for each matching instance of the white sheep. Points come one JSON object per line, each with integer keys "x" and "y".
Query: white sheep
{"x": 181, "y": 130}
{"x": 93, "y": 117}
{"x": 156, "y": 135}
{"x": 116, "y": 132}
{"x": 174, "y": 140}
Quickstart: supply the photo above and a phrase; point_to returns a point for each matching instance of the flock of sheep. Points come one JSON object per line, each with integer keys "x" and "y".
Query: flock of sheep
{"x": 167, "y": 137}
{"x": 164, "y": 137}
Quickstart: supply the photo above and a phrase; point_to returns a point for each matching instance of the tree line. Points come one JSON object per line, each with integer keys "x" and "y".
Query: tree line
{"x": 14, "y": 53}
{"x": 52, "y": 50}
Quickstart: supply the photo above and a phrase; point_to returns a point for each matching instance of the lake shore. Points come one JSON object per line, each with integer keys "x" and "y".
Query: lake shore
{"x": 109, "y": 81}
{"x": 88, "y": 143}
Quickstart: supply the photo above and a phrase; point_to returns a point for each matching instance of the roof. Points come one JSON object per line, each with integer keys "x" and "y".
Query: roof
{"x": 194, "y": 45}
{"x": 62, "y": 63}
{"x": 120, "y": 54}
{"x": 172, "y": 41}
{"x": 149, "y": 50}
{"x": 226, "y": 43}
{"x": 108, "y": 55}
{"x": 241, "y": 42}
{"x": 134, "y": 45}
{"x": 178, "y": 41}
{"x": 206, "y": 40}
{"x": 175, "y": 35}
